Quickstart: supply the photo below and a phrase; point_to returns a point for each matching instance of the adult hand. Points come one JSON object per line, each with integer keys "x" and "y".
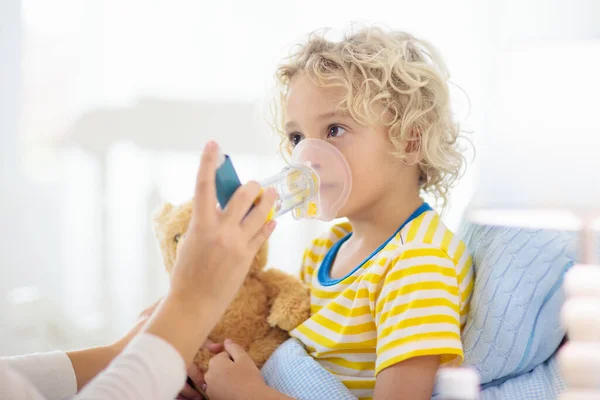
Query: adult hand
{"x": 144, "y": 316}
{"x": 213, "y": 260}
{"x": 197, "y": 376}
{"x": 88, "y": 363}
{"x": 219, "y": 246}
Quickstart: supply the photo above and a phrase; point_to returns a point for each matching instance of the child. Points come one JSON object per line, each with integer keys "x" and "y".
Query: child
{"x": 390, "y": 288}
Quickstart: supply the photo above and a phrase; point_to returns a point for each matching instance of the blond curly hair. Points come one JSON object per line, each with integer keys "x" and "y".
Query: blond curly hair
{"x": 394, "y": 69}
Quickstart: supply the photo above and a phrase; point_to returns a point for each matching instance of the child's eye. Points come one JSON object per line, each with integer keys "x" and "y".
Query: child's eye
{"x": 295, "y": 138}
{"x": 335, "y": 131}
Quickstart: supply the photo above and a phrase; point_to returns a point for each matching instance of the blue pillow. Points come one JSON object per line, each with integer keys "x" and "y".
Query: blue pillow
{"x": 514, "y": 320}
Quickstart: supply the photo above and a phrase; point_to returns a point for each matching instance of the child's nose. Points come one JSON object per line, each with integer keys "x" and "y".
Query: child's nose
{"x": 316, "y": 165}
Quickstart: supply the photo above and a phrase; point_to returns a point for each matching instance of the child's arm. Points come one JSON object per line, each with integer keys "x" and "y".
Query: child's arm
{"x": 417, "y": 314}
{"x": 411, "y": 379}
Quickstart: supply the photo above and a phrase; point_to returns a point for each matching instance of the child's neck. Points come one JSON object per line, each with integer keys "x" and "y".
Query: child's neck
{"x": 383, "y": 218}
{"x": 373, "y": 228}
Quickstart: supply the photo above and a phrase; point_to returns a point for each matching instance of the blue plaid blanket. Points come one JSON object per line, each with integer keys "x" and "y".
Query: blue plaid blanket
{"x": 293, "y": 372}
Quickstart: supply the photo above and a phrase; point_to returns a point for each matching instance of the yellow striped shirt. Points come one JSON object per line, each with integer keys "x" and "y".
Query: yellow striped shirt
{"x": 408, "y": 299}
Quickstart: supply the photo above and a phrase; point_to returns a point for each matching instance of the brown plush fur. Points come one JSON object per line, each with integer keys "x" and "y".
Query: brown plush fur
{"x": 269, "y": 304}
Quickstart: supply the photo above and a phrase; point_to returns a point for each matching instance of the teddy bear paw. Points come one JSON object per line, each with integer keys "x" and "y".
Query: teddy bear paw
{"x": 273, "y": 320}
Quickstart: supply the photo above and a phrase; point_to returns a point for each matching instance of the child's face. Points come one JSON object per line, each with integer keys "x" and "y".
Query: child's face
{"x": 312, "y": 113}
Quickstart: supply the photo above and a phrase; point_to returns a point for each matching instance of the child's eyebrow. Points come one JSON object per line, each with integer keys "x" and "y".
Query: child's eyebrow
{"x": 328, "y": 115}
{"x": 332, "y": 114}
{"x": 290, "y": 125}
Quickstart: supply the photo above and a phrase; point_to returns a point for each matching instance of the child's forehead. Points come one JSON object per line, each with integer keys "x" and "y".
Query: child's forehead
{"x": 306, "y": 96}
{"x": 314, "y": 111}
{"x": 303, "y": 85}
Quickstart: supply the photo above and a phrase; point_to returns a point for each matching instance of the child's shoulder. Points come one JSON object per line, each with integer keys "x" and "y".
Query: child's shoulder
{"x": 426, "y": 245}
{"x": 426, "y": 233}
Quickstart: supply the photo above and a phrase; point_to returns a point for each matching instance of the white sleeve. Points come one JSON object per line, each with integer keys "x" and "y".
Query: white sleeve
{"x": 150, "y": 368}
{"x": 51, "y": 374}
{"x": 14, "y": 386}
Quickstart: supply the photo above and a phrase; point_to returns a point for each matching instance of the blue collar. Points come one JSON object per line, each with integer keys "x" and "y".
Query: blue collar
{"x": 324, "y": 274}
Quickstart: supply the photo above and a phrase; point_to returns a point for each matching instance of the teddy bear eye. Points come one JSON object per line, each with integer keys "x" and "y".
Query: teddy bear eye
{"x": 177, "y": 237}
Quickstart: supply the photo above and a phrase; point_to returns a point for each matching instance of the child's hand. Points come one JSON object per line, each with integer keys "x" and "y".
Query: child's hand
{"x": 232, "y": 375}
{"x": 197, "y": 376}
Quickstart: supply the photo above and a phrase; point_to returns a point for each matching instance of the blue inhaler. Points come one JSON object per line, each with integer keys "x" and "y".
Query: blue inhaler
{"x": 315, "y": 185}
{"x": 295, "y": 186}
{"x": 227, "y": 180}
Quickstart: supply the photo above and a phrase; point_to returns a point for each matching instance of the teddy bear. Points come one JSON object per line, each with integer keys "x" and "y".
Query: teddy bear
{"x": 269, "y": 304}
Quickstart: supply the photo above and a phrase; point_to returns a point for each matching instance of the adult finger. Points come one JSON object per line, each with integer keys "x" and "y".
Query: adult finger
{"x": 241, "y": 202}
{"x": 196, "y": 375}
{"x": 214, "y": 348}
{"x": 189, "y": 393}
{"x": 261, "y": 236}
{"x": 150, "y": 310}
{"x": 205, "y": 194}
{"x": 258, "y": 215}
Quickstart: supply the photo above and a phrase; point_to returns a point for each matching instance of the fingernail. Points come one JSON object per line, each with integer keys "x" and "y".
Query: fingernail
{"x": 228, "y": 341}
{"x": 210, "y": 146}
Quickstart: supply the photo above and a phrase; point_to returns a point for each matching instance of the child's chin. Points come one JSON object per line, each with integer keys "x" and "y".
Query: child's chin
{"x": 343, "y": 213}
{"x": 351, "y": 211}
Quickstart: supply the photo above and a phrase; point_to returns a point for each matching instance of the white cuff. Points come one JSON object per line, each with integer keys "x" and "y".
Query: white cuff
{"x": 149, "y": 368}
{"x": 163, "y": 360}
{"x": 51, "y": 373}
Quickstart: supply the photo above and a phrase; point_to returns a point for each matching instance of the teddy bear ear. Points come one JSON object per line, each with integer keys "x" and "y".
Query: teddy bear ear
{"x": 161, "y": 212}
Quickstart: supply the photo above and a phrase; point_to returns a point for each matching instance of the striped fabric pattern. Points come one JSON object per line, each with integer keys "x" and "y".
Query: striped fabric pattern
{"x": 410, "y": 299}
